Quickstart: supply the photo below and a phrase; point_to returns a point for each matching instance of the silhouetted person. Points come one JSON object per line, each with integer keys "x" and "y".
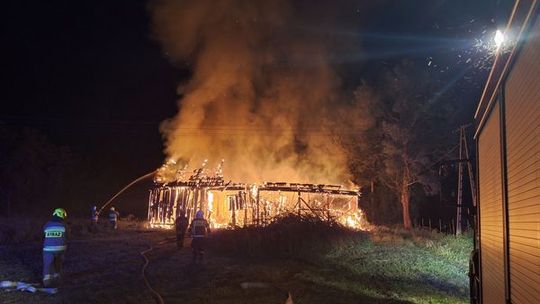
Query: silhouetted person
{"x": 199, "y": 230}
{"x": 181, "y": 225}
{"x": 54, "y": 247}
{"x": 94, "y": 216}
{"x": 113, "y": 218}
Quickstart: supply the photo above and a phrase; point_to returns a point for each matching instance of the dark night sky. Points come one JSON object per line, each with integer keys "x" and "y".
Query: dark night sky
{"x": 84, "y": 68}
{"x": 89, "y": 75}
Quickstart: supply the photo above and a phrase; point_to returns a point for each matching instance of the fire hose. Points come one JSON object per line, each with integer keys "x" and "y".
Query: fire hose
{"x": 156, "y": 294}
{"x": 125, "y": 188}
{"x": 30, "y": 287}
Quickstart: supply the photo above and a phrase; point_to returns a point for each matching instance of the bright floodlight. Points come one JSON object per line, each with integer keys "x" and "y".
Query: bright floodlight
{"x": 499, "y": 38}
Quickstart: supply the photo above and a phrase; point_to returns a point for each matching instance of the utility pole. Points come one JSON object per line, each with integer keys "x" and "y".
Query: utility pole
{"x": 463, "y": 149}
{"x": 460, "y": 182}
{"x": 470, "y": 169}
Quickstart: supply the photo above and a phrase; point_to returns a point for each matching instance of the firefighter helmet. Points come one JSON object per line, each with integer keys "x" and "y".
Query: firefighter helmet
{"x": 112, "y": 208}
{"x": 60, "y": 212}
{"x": 199, "y": 214}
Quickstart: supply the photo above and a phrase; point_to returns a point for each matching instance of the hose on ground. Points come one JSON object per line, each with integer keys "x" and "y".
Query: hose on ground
{"x": 156, "y": 294}
{"x": 23, "y": 286}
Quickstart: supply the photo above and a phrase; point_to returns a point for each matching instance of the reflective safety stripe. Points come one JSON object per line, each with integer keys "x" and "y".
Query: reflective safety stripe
{"x": 55, "y": 228}
{"x": 47, "y": 277}
{"x": 54, "y": 248}
{"x": 199, "y": 228}
{"x": 54, "y": 234}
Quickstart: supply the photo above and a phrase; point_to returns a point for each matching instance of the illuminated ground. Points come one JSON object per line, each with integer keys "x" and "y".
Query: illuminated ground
{"x": 386, "y": 268}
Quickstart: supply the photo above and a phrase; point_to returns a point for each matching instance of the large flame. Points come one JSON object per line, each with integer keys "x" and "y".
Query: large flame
{"x": 263, "y": 94}
{"x": 242, "y": 205}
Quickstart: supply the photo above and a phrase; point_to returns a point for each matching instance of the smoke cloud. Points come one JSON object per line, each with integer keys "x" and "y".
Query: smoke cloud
{"x": 263, "y": 95}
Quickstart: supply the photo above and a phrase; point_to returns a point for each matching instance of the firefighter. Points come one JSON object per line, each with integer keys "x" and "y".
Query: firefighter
{"x": 199, "y": 230}
{"x": 94, "y": 216}
{"x": 54, "y": 246}
{"x": 181, "y": 225}
{"x": 113, "y": 218}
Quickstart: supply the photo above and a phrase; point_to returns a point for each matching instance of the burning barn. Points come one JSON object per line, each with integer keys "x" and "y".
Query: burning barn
{"x": 228, "y": 204}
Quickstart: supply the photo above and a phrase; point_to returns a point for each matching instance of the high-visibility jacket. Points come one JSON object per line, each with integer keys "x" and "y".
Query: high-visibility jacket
{"x": 55, "y": 236}
{"x": 199, "y": 228}
{"x": 113, "y": 215}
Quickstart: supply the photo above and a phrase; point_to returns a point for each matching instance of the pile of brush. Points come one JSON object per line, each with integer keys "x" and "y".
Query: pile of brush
{"x": 289, "y": 236}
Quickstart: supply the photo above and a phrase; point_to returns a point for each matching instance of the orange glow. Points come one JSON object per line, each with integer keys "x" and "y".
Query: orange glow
{"x": 240, "y": 205}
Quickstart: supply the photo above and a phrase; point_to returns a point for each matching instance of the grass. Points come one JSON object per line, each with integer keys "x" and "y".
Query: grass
{"x": 420, "y": 270}
{"x": 317, "y": 262}
{"x": 417, "y": 266}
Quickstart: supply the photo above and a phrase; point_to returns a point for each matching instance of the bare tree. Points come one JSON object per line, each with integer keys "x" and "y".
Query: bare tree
{"x": 406, "y": 136}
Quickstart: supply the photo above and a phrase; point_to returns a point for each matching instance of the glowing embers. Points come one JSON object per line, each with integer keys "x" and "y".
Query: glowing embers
{"x": 173, "y": 171}
{"x": 356, "y": 220}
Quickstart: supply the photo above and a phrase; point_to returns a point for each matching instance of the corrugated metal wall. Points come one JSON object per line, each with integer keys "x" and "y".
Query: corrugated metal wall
{"x": 522, "y": 102}
{"x": 491, "y": 211}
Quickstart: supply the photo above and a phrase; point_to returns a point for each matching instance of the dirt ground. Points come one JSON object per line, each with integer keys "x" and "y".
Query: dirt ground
{"x": 107, "y": 268}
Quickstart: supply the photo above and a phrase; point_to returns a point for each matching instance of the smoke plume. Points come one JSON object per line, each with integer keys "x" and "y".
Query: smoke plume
{"x": 263, "y": 93}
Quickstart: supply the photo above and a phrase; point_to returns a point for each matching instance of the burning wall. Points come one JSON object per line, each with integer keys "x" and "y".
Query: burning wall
{"x": 251, "y": 205}
{"x": 228, "y": 204}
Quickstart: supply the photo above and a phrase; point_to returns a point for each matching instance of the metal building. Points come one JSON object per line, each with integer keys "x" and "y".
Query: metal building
{"x": 508, "y": 165}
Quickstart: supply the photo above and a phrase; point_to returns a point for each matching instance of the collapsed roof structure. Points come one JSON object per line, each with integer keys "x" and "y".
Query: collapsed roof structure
{"x": 229, "y": 205}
